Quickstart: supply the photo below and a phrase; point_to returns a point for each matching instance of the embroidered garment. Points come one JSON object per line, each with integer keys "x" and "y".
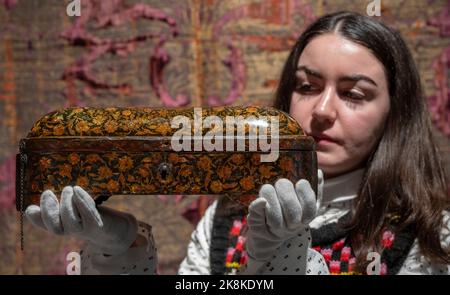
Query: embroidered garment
{"x": 338, "y": 195}
{"x": 331, "y": 241}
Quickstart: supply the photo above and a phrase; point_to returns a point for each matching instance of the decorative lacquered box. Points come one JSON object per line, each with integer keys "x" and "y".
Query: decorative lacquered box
{"x": 130, "y": 151}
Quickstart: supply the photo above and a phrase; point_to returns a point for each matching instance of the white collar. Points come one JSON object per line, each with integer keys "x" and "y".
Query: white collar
{"x": 342, "y": 188}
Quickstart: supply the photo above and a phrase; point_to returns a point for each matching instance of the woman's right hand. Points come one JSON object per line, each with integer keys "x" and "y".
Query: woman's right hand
{"x": 108, "y": 231}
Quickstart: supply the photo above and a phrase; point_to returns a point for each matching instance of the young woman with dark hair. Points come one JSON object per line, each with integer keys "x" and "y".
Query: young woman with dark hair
{"x": 381, "y": 204}
{"x": 403, "y": 176}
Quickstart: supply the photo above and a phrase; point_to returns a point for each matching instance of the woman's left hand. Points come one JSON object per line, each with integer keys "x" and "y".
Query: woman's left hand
{"x": 279, "y": 213}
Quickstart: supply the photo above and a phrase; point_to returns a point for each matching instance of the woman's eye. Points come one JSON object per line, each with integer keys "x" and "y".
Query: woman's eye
{"x": 353, "y": 95}
{"x": 304, "y": 88}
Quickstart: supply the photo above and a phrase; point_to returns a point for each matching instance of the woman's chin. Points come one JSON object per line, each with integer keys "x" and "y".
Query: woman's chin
{"x": 330, "y": 167}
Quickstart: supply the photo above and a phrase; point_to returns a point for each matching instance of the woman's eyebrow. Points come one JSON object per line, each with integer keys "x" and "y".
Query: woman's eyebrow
{"x": 352, "y": 78}
{"x": 309, "y": 71}
{"x": 356, "y": 78}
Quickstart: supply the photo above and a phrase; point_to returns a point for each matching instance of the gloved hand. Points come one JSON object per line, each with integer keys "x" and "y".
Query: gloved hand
{"x": 108, "y": 231}
{"x": 279, "y": 213}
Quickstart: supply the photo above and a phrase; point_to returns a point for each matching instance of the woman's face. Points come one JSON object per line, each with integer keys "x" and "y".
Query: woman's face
{"x": 342, "y": 100}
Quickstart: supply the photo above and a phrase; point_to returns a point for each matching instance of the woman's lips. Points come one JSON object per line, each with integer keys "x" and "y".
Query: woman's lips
{"x": 324, "y": 139}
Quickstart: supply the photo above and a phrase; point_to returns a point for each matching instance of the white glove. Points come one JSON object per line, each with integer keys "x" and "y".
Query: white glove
{"x": 108, "y": 231}
{"x": 280, "y": 213}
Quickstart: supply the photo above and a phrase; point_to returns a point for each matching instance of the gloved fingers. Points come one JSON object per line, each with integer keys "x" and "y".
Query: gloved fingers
{"x": 289, "y": 202}
{"x": 69, "y": 214}
{"x": 86, "y": 207}
{"x": 33, "y": 213}
{"x": 305, "y": 192}
{"x": 274, "y": 215}
{"x": 320, "y": 183}
{"x": 116, "y": 233}
{"x": 256, "y": 212}
{"x": 50, "y": 212}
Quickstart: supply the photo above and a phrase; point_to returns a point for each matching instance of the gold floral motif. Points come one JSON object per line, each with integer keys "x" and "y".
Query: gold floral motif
{"x": 216, "y": 186}
{"x": 115, "y": 115}
{"x": 59, "y": 130}
{"x": 104, "y": 172}
{"x": 136, "y": 188}
{"x": 163, "y": 129}
{"x": 82, "y": 127}
{"x": 196, "y": 189}
{"x": 224, "y": 172}
{"x": 265, "y": 171}
{"x": 65, "y": 170}
{"x": 126, "y": 113}
{"x": 83, "y": 182}
{"x": 46, "y": 132}
{"x": 112, "y": 186}
{"x": 57, "y": 119}
{"x": 204, "y": 163}
{"x": 136, "y": 120}
{"x": 111, "y": 126}
{"x": 176, "y": 158}
{"x": 92, "y": 158}
{"x": 44, "y": 163}
{"x": 125, "y": 163}
{"x": 143, "y": 172}
{"x": 97, "y": 131}
{"x": 237, "y": 159}
{"x": 150, "y": 188}
{"x": 230, "y": 185}
{"x": 73, "y": 158}
{"x": 218, "y": 177}
{"x": 185, "y": 170}
{"x": 162, "y": 113}
{"x": 96, "y": 190}
{"x": 36, "y": 129}
{"x": 247, "y": 183}
{"x": 286, "y": 164}
{"x": 98, "y": 120}
{"x": 122, "y": 180}
{"x": 34, "y": 186}
{"x": 256, "y": 159}
{"x": 252, "y": 110}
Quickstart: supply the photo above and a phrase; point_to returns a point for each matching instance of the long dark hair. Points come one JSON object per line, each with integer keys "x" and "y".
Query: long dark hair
{"x": 404, "y": 174}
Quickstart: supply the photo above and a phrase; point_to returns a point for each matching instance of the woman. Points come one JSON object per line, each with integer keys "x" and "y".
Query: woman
{"x": 351, "y": 83}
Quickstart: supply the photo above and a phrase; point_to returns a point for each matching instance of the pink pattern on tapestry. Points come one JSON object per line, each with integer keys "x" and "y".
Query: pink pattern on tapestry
{"x": 9, "y": 4}
{"x": 106, "y": 14}
{"x": 439, "y": 103}
{"x": 271, "y": 12}
{"x": 7, "y": 183}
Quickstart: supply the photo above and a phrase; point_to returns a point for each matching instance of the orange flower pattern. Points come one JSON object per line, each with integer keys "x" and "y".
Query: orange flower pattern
{"x": 140, "y": 121}
{"x": 193, "y": 173}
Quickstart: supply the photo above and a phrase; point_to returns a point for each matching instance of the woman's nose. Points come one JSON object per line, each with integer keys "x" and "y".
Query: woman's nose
{"x": 324, "y": 110}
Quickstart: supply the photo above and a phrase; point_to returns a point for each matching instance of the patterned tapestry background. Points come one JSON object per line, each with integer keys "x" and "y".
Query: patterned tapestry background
{"x": 166, "y": 53}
